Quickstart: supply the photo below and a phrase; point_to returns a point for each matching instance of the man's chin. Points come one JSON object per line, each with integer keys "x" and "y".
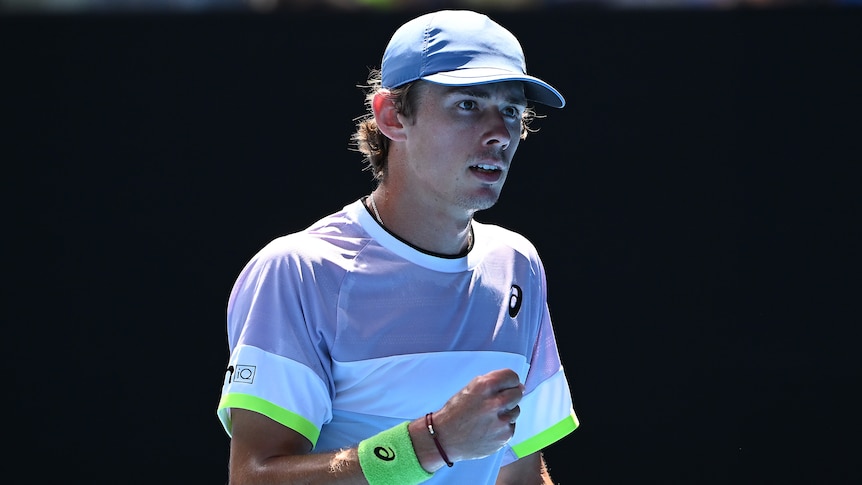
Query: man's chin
{"x": 485, "y": 201}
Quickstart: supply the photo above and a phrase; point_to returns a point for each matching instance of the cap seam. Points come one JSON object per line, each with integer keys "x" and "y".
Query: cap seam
{"x": 426, "y": 34}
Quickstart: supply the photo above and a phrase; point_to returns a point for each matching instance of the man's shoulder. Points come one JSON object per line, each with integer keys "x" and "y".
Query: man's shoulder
{"x": 335, "y": 235}
{"x": 503, "y": 236}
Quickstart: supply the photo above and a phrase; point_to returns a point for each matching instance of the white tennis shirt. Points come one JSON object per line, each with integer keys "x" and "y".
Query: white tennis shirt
{"x": 341, "y": 331}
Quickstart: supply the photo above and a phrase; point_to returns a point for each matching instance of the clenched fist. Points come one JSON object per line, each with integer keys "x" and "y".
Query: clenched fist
{"x": 480, "y": 418}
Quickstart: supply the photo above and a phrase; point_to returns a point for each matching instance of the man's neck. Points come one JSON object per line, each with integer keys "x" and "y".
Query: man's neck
{"x": 427, "y": 228}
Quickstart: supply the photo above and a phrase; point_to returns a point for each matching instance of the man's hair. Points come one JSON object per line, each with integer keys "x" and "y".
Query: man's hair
{"x": 373, "y": 144}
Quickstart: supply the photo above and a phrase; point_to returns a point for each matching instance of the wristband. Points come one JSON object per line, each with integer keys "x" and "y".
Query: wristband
{"x": 389, "y": 457}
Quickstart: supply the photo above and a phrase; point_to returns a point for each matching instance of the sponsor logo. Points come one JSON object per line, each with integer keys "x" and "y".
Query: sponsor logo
{"x": 242, "y": 373}
{"x": 515, "y": 298}
{"x": 384, "y": 453}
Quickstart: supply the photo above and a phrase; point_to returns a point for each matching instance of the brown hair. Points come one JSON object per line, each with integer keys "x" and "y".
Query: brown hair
{"x": 374, "y": 145}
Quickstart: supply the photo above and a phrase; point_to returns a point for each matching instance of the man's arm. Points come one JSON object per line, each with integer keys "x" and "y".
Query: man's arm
{"x": 529, "y": 470}
{"x": 265, "y": 451}
{"x": 474, "y": 423}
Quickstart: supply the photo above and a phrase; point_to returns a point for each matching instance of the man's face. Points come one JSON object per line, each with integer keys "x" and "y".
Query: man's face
{"x": 461, "y": 140}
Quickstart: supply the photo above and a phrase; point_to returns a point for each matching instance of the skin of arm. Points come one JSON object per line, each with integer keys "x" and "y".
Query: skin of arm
{"x": 529, "y": 470}
{"x": 266, "y": 452}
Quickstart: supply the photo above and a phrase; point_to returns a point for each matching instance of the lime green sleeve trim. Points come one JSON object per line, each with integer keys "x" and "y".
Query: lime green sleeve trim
{"x": 547, "y": 437}
{"x": 291, "y": 420}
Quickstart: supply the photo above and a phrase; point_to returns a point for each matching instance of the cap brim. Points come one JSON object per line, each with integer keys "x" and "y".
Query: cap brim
{"x": 534, "y": 88}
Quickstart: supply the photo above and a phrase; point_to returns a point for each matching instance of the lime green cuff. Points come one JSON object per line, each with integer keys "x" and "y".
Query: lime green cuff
{"x": 388, "y": 457}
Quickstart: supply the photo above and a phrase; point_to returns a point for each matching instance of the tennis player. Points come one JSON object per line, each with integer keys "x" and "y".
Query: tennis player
{"x": 399, "y": 340}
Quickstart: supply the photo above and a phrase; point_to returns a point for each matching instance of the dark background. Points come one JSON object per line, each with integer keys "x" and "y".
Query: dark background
{"x": 697, "y": 205}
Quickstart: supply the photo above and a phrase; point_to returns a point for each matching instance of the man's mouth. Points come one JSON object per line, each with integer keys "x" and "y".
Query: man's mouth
{"x": 486, "y": 168}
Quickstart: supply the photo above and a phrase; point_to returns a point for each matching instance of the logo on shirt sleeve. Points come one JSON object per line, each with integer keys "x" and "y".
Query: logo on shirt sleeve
{"x": 242, "y": 373}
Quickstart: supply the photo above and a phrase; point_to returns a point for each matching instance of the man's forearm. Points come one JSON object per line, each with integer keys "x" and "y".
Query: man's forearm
{"x": 334, "y": 468}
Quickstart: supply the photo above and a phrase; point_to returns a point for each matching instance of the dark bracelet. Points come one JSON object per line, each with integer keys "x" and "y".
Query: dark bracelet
{"x": 429, "y": 422}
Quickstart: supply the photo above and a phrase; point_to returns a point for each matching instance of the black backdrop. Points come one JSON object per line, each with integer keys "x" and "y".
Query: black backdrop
{"x": 696, "y": 204}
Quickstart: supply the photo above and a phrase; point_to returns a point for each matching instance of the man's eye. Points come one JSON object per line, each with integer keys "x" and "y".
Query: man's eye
{"x": 512, "y": 111}
{"x": 467, "y": 104}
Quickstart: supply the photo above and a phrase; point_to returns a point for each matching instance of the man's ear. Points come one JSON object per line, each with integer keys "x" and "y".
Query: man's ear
{"x": 387, "y": 116}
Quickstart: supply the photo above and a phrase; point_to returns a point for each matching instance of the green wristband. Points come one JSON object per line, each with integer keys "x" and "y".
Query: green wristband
{"x": 388, "y": 457}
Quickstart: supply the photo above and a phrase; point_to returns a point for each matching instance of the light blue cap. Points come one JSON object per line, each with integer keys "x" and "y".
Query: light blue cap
{"x": 460, "y": 48}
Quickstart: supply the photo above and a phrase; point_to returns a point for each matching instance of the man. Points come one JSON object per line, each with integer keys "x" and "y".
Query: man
{"x": 399, "y": 341}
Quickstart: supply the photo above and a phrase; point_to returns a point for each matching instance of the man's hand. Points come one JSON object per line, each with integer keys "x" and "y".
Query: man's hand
{"x": 480, "y": 418}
